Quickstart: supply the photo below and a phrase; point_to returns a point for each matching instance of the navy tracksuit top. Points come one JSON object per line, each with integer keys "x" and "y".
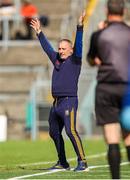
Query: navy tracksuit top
{"x": 66, "y": 72}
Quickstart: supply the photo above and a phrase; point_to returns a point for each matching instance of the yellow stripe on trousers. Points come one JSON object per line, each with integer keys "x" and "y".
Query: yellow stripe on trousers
{"x": 75, "y": 135}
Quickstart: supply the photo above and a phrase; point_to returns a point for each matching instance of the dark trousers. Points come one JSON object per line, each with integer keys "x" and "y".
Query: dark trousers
{"x": 63, "y": 114}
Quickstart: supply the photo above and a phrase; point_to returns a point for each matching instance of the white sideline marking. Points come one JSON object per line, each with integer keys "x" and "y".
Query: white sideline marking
{"x": 55, "y": 171}
{"x": 37, "y": 174}
{"x": 71, "y": 159}
{"x": 100, "y": 166}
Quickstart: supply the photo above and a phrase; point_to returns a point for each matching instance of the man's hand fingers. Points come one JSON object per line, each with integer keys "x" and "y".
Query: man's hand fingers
{"x": 84, "y": 14}
{"x": 34, "y": 21}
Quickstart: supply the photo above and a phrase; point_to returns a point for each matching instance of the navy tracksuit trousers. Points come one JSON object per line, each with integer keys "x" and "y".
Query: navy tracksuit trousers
{"x": 63, "y": 114}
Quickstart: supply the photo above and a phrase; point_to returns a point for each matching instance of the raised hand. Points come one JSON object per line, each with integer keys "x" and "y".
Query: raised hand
{"x": 81, "y": 18}
{"x": 35, "y": 24}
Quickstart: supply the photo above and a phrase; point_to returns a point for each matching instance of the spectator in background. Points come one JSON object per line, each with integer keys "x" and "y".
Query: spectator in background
{"x": 28, "y": 11}
{"x": 7, "y": 9}
{"x": 109, "y": 49}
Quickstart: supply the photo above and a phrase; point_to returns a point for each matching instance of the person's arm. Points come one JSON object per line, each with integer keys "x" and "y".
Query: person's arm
{"x": 79, "y": 35}
{"x": 35, "y": 24}
{"x": 92, "y": 56}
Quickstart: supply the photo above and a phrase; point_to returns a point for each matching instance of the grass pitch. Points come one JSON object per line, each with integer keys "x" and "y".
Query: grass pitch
{"x": 26, "y": 159}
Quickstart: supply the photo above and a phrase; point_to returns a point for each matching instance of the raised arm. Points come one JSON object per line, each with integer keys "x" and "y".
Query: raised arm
{"x": 35, "y": 24}
{"x": 79, "y": 36}
{"x": 92, "y": 56}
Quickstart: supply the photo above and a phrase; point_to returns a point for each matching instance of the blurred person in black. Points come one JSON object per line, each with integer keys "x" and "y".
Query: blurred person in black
{"x": 109, "y": 49}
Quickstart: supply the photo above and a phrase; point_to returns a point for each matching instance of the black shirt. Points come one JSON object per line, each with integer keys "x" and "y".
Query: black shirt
{"x": 111, "y": 45}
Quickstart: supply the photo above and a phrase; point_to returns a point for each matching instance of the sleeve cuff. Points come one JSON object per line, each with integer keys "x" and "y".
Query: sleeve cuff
{"x": 80, "y": 27}
{"x": 39, "y": 34}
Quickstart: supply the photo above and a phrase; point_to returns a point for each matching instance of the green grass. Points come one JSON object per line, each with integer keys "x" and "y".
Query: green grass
{"x": 17, "y": 158}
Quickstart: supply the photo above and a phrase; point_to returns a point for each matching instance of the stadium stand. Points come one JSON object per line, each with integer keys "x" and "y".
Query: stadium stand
{"x": 23, "y": 62}
{"x": 20, "y": 65}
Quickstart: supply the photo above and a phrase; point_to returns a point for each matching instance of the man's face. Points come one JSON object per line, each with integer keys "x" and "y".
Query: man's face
{"x": 65, "y": 49}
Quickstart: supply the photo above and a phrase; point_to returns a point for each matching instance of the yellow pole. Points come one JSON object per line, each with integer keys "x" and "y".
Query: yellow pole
{"x": 89, "y": 11}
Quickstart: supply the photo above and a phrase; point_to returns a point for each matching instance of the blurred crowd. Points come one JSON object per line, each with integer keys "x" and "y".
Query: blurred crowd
{"x": 12, "y": 14}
